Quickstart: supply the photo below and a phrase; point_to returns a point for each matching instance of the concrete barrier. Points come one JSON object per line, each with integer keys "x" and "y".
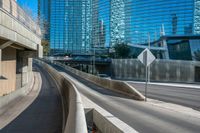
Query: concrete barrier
{"x": 17, "y": 94}
{"x": 74, "y": 117}
{"x": 103, "y": 120}
{"x": 118, "y": 86}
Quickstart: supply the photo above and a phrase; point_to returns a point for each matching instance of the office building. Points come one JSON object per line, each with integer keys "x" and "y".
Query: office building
{"x": 69, "y": 24}
{"x": 77, "y": 26}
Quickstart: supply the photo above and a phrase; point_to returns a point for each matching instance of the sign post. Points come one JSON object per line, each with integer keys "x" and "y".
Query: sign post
{"x": 146, "y": 58}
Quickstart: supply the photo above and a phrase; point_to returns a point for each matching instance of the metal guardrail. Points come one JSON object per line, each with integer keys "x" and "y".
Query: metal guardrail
{"x": 12, "y": 8}
{"x": 78, "y": 59}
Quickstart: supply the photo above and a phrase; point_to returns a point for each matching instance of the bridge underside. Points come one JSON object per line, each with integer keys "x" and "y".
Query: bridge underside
{"x": 19, "y": 43}
{"x": 15, "y": 66}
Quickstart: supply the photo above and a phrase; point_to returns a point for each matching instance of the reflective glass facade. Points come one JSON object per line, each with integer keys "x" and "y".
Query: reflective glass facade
{"x": 78, "y": 25}
{"x": 43, "y": 14}
{"x": 117, "y": 21}
{"x": 69, "y": 24}
{"x": 133, "y": 20}
{"x": 158, "y": 17}
{"x": 100, "y": 23}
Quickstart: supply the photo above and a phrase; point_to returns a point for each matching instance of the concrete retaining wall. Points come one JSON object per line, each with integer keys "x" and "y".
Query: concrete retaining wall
{"x": 13, "y": 30}
{"x": 103, "y": 120}
{"x": 118, "y": 86}
{"x": 74, "y": 119}
{"x": 161, "y": 70}
{"x": 8, "y": 65}
{"x": 4, "y": 100}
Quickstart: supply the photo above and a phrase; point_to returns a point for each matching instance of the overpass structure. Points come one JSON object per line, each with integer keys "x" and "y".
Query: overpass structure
{"x": 64, "y": 112}
{"x": 19, "y": 42}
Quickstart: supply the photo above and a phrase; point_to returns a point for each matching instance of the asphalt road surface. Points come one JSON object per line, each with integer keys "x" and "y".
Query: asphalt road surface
{"x": 142, "y": 116}
{"x": 189, "y": 97}
{"x": 44, "y": 115}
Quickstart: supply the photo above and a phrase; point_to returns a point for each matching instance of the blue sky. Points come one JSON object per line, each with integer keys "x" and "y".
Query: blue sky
{"x": 31, "y": 4}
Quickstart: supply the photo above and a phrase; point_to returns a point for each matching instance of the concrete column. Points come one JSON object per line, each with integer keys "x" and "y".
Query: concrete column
{"x": 166, "y": 53}
{"x": 26, "y": 65}
{"x": 8, "y": 70}
{"x": 39, "y": 51}
{"x": 0, "y": 62}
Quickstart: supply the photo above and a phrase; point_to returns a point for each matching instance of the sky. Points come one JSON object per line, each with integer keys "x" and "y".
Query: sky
{"x": 31, "y": 4}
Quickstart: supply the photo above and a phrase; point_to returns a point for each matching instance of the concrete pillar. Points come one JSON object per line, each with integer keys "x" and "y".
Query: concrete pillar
{"x": 166, "y": 53}
{"x": 8, "y": 70}
{"x": 26, "y": 65}
{"x": 39, "y": 51}
{"x": 0, "y": 63}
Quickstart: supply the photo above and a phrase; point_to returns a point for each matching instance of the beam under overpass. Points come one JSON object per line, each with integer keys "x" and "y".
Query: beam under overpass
{"x": 6, "y": 44}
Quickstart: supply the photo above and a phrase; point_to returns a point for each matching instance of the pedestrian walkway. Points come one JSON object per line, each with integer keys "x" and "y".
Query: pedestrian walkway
{"x": 44, "y": 115}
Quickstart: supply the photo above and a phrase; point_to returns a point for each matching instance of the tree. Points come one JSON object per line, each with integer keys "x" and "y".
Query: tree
{"x": 122, "y": 50}
{"x": 46, "y": 47}
{"x": 197, "y": 55}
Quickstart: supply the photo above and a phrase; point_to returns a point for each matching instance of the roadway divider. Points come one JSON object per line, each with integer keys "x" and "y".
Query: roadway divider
{"x": 74, "y": 117}
{"x": 115, "y": 85}
{"x": 102, "y": 121}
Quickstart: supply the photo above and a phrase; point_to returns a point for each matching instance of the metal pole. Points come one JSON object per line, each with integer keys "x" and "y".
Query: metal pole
{"x": 149, "y": 65}
{"x": 146, "y": 83}
{"x": 94, "y": 62}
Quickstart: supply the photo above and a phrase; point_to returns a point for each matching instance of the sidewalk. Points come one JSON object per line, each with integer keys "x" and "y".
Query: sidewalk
{"x": 196, "y": 86}
{"x": 15, "y": 108}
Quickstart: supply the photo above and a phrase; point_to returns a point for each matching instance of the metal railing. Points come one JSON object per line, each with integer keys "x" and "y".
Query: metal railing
{"x": 11, "y": 7}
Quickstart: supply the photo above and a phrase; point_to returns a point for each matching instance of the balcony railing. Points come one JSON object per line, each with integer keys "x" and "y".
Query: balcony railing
{"x": 11, "y": 7}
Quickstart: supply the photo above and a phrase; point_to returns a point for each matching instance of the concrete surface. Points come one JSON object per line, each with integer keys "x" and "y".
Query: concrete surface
{"x": 118, "y": 86}
{"x": 142, "y": 116}
{"x": 13, "y": 30}
{"x": 74, "y": 120}
{"x": 186, "y": 95}
{"x": 176, "y": 71}
{"x": 8, "y": 68}
{"x": 4, "y": 100}
{"x": 15, "y": 103}
{"x": 44, "y": 115}
{"x": 105, "y": 121}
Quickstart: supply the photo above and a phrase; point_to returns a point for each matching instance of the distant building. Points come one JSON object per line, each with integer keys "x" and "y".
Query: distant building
{"x": 68, "y": 22}
{"x": 117, "y": 21}
{"x": 77, "y": 26}
{"x": 44, "y": 18}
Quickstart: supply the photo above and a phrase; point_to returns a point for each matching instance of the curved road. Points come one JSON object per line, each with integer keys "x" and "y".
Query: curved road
{"x": 189, "y": 97}
{"x": 44, "y": 115}
{"x": 142, "y": 116}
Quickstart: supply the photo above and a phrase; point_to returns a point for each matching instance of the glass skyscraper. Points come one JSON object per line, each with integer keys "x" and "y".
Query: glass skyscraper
{"x": 158, "y": 17}
{"x": 100, "y": 23}
{"x": 44, "y": 17}
{"x": 78, "y": 25}
{"x": 117, "y": 21}
{"x": 69, "y": 24}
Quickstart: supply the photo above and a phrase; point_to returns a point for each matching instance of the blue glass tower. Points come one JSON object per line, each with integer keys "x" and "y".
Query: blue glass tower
{"x": 158, "y": 17}
{"x": 44, "y": 17}
{"x": 69, "y": 24}
{"x": 78, "y": 25}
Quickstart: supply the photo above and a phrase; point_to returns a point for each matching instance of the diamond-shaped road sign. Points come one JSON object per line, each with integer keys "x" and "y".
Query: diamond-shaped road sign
{"x": 146, "y": 57}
